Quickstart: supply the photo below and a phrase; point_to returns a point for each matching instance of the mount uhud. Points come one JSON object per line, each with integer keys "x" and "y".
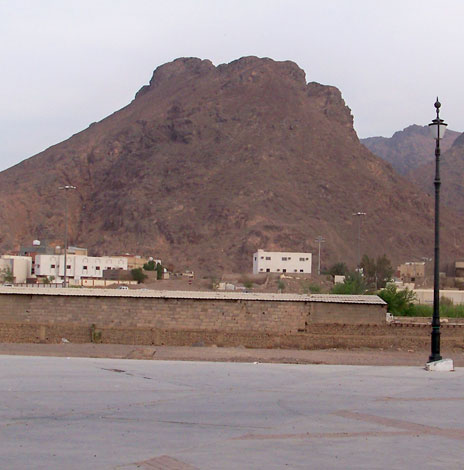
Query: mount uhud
{"x": 209, "y": 163}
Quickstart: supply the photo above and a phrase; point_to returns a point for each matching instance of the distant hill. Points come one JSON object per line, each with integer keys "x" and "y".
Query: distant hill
{"x": 207, "y": 164}
{"x": 451, "y": 175}
{"x": 409, "y": 148}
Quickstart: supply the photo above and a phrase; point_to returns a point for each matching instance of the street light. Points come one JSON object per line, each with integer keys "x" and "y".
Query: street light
{"x": 66, "y": 189}
{"x": 359, "y": 215}
{"x": 320, "y": 239}
{"x": 437, "y": 129}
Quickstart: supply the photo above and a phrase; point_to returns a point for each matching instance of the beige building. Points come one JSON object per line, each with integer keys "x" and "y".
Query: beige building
{"x": 20, "y": 267}
{"x": 411, "y": 271}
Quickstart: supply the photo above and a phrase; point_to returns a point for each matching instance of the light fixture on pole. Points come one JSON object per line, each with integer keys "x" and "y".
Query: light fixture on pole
{"x": 320, "y": 239}
{"x": 66, "y": 188}
{"x": 359, "y": 215}
{"x": 437, "y": 129}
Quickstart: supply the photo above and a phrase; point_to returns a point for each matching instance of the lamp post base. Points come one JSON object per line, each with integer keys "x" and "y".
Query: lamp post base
{"x": 443, "y": 365}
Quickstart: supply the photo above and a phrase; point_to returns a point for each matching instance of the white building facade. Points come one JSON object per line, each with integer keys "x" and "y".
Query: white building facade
{"x": 19, "y": 266}
{"x": 281, "y": 262}
{"x": 78, "y": 266}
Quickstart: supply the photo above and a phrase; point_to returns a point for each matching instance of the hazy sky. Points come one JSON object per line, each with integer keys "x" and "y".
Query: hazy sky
{"x": 67, "y": 63}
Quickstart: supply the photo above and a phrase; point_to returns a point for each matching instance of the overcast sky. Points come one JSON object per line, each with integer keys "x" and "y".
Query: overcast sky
{"x": 67, "y": 63}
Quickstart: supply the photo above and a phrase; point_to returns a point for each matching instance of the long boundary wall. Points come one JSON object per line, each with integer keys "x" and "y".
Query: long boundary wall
{"x": 222, "y": 319}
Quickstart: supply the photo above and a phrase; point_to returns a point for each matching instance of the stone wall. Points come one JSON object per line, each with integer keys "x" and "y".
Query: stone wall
{"x": 132, "y": 317}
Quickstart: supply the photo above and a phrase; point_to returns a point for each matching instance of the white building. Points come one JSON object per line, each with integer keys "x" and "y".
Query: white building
{"x": 78, "y": 266}
{"x": 281, "y": 262}
{"x": 19, "y": 266}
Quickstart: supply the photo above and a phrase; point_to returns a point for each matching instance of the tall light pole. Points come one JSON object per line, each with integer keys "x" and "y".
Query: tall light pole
{"x": 66, "y": 189}
{"x": 359, "y": 215}
{"x": 437, "y": 128}
{"x": 320, "y": 239}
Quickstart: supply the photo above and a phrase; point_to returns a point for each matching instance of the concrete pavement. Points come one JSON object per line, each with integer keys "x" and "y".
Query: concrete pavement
{"x": 76, "y": 413}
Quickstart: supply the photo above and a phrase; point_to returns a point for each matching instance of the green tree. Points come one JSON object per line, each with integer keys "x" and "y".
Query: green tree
{"x": 338, "y": 269}
{"x": 138, "y": 275}
{"x": 150, "y": 266}
{"x": 376, "y": 272}
{"x": 400, "y": 302}
{"x": 7, "y": 275}
{"x": 159, "y": 271}
{"x": 354, "y": 284}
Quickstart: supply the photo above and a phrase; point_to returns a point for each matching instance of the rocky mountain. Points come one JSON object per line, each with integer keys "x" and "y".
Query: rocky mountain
{"x": 208, "y": 163}
{"x": 451, "y": 175}
{"x": 409, "y": 148}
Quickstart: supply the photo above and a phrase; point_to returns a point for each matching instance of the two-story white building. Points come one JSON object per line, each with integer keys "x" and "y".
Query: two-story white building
{"x": 281, "y": 262}
{"x": 78, "y": 266}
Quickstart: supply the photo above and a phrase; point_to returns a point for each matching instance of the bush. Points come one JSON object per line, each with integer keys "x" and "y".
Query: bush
{"x": 400, "y": 302}
{"x": 138, "y": 275}
{"x": 150, "y": 266}
{"x": 353, "y": 284}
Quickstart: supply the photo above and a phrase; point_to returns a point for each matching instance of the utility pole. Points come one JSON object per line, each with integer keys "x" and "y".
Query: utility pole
{"x": 359, "y": 215}
{"x": 320, "y": 239}
{"x": 66, "y": 189}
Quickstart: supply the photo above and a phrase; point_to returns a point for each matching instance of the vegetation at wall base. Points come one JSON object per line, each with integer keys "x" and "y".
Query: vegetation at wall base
{"x": 400, "y": 302}
{"x": 138, "y": 275}
{"x": 446, "y": 311}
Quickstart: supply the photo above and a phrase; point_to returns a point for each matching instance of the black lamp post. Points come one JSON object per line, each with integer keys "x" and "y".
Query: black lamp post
{"x": 437, "y": 128}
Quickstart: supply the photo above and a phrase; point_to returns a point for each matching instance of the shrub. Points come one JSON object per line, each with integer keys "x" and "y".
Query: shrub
{"x": 150, "y": 266}
{"x": 353, "y": 284}
{"x": 138, "y": 275}
{"x": 400, "y": 302}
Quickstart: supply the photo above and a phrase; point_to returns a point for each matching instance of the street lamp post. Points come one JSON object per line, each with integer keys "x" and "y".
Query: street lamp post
{"x": 437, "y": 128}
{"x": 66, "y": 189}
{"x": 359, "y": 215}
{"x": 320, "y": 239}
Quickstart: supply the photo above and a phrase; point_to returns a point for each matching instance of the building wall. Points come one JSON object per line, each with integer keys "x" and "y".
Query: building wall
{"x": 78, "y": 266}
{"x": 281, "y": 262}
{"x": 130, "y": 310}
{"x": 20, "y": 266}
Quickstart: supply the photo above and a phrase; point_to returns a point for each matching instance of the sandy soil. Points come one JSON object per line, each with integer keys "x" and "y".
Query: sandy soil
{"x": 332, "y": 356}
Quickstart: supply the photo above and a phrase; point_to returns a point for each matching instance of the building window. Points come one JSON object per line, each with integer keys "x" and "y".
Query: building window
{"x": 268, "y": 258}
{"x": 307, "y": 259}
{"x": 278, "y": 270}
{"x": 301, "y": 270}
{"x": 284, "y": 270}
{"x": 97, "y": 268}
{"x": 295, "y": 270}
{"x": 52, "y": 266}
{"x": 37, "y": 265}
{"x": 255, "y": 258}
{"x": 261, "y": 269}
{"x": 262, "y": 257}
{"x": 268, "y": 270}
{"x": 84, "y": 267}
{"x": 302, "y": 259}
{"x": 284, "y": 258}
{"x": 68, "y": 266}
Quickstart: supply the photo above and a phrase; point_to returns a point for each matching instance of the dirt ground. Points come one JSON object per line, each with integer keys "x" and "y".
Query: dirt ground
{"x": 215, "y": 354}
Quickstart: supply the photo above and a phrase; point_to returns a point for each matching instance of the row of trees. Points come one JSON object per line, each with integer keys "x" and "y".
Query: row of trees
{"x": 373, "y": 277}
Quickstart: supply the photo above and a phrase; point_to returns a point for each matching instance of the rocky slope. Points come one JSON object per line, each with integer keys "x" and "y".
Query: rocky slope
{"x": 409, "y": 148}
{"x": 207, "y": 164}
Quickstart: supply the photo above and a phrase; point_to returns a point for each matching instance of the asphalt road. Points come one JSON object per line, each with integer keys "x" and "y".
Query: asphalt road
{"x": 82, "y": 413}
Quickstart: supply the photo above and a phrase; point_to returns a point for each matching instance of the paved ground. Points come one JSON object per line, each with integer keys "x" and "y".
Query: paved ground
{"x": 185, "y": 353}
{"x": 92, "y": 413}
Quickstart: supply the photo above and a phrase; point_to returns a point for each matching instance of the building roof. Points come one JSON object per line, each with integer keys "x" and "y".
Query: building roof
{"x": 89, "y": 292}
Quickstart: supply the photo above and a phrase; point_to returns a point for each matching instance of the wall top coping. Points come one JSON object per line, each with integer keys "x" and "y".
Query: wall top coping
{"x": 213, "y": 295}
